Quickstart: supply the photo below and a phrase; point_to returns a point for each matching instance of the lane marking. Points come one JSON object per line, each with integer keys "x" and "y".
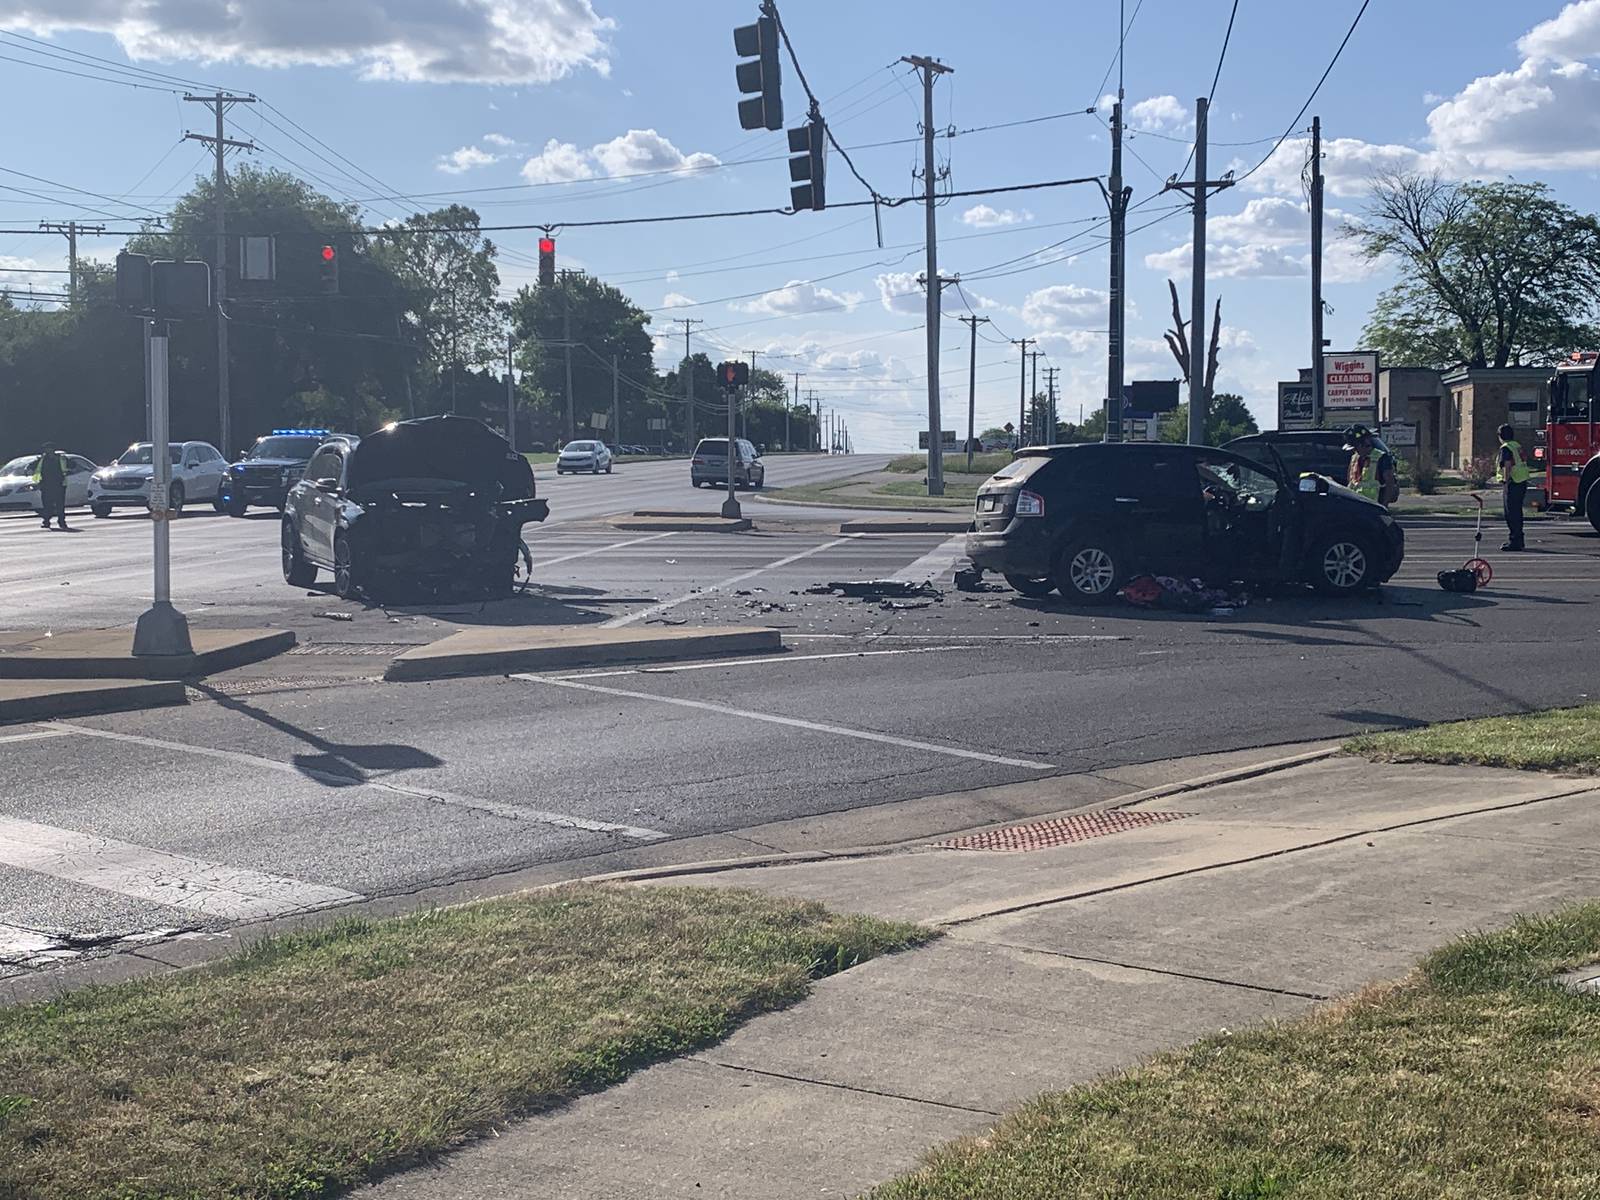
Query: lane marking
{"x": 960, "y": 637}
{"x": 935, "y": 562}
{"x": 550, "y": 562}
{"x": 33, "y": 736}
{"x": 770, "y": 660}
{"x": 795, "y": 723}
{"x": 515, "y": 812}
{"x": 663, "y": 606}
{"x": 127, "y": 869}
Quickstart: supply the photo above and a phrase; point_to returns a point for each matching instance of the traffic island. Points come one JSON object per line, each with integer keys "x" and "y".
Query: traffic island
{"x": 666, "y": 521}
{"x": 47, "y": 699}
{"x": 108, "y": 654}
{"x": 929, "y": 524}
{"x": 495, "y": 650}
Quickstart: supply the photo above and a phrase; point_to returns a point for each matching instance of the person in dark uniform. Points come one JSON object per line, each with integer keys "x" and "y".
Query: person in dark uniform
{"x": 1513, "y": 476}
{"x": 50, "y": 473}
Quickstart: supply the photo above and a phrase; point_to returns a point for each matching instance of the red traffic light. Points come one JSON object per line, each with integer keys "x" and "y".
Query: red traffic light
{"x": 547, "y": 245}
{"x": 327, "y": 254}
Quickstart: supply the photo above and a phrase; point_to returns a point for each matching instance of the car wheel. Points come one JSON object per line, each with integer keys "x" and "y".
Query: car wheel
{"x": 608, "y": 468}
{"x": 218, "y": 504}
{"x": 1036, "y": 588}
{"x": 346, "y": 582}
{"x": 236, "y": 508}
{"x": 175, "y": 497}
{"x": 1592, "y": 505}
{"x": 297, "y": 572}
{"x": 1088, "y": 573}
{"x": 1341, "y": 565}
{"x": 100, "y": 510}
{"x": 595, "y": 470}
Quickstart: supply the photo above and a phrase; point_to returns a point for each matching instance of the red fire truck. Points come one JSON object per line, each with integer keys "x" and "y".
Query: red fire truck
{"x": 1570, "y": 454}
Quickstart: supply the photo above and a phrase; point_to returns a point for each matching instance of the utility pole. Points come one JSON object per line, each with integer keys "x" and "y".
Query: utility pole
{"x": 744, "y": 409}
{"x": 220, "y": 104}
{"x": 616, "y": 411}
{"x": 794, "y": 398}
{"x": 1033, "y": 395}
{"x": 972, "y": 323}
{"x": 814, "y": 409}
{"x": 1117, "y": 200}
{"x": 688, "y": 324}
{"x": 1022, "y": 388}
{"x": 931, "y": 68}
{"x": 72, "y": 229}
{"x": 511, "y": 399}
{"x": 1316, "y": 272}
{"x": 1199, "y": 402}
{"x": 1050, "y": 402}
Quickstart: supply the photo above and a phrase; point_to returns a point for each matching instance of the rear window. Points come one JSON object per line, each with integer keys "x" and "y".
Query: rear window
{"x": 711, "y": 446}
{"x": 1020, "y": 468}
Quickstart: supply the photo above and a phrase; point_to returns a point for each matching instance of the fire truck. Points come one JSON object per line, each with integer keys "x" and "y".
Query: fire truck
{"x": 1570, "y": 453}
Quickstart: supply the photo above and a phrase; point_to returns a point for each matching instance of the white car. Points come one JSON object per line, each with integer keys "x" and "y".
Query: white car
{"x": 18, "y": 490}
{"x": 197, "y": 473}
{"x": 589, "y": 457}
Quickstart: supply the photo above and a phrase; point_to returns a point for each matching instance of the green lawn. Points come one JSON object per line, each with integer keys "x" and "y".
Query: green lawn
{"x": 955, "y": 462}
{"x": 961, "y": 488}
{"x": 1472, "y": 1080}
{"x": 312, "y": 1062}
{"x": 1556, "y": 739}
{"x": 914, "y": 496}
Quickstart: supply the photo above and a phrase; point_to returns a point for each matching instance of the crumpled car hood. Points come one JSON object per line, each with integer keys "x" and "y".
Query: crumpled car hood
{"x": 453, "y": 453}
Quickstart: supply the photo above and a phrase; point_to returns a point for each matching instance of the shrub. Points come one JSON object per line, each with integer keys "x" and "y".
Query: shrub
{"x": 1480, "y": 470}
{"x": 1425, "y": 474}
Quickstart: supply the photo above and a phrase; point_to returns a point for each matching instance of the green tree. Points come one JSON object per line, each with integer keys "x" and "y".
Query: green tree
{"x": 1226, "y": 419}
{"x": 1491, "y": 274}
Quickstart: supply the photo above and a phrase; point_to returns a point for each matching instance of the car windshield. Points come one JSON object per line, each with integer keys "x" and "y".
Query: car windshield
{"x": 20, "y": 466}
{"x": 284, "y": 447}
{"x": 139, "y": 456}
{"x": 1255, "y": 488}
{"x": 579, "y": 447}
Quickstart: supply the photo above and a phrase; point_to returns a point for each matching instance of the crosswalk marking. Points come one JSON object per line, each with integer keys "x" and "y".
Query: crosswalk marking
{"x": 935, "y": 562}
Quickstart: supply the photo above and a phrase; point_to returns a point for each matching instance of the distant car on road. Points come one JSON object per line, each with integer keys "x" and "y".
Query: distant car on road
{"x": 1320, "y": 451}
{"x": 710, "y": 464}
{"x": 18, "y": 489}
{"x": 265, "y": 472}
{"x": 585, "y": 457}
{"x": 197, "y": 472}
{"x": 1085, "y": 519}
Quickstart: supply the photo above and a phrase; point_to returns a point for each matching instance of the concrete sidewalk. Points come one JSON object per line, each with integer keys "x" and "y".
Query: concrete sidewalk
{"x": 1123, "y": 932}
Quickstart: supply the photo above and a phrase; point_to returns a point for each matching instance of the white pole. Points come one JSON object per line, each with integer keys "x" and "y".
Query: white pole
{"x": 162, "y": 629}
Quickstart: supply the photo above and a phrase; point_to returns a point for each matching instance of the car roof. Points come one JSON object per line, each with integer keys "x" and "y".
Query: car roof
{"x": 1290, "y": 435}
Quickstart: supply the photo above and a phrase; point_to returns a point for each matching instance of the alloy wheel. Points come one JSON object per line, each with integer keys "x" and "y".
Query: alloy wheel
{"x": 1092, "y": 571}
{"x": 1344, "y": 565}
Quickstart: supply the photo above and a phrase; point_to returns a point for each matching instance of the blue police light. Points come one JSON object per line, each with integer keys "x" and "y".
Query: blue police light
{"x": 299, "y": 433}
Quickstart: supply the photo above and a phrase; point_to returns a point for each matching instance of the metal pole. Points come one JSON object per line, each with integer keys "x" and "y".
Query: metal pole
{"x": 224, "y": 400}
{"x": 794, "y": 398}
{"x": 1022, "y": 392}
{"x": 566, "y": 336}
{"x": 1316, "y": 272}
{"x": 1119, "y": 266}
{"x": 511, "y": 400}
{"x": 972, "y": 391}
{"x": 616, "y": 411}
{"x": 931, "y": 67}
{"x": 744, "y": 409}
{"x": 1198, "y": 400}
{"x": 161, "y": 629}
{"x": 730, "y": 506}
{"x": 1033, "y": 396}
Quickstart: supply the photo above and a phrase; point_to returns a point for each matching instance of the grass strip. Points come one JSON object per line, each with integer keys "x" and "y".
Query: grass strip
{"x": 1472, "y": 1078}
{"x": 313, "y": 1061}
{"x": 955, "y": 463}
{"x": 1555, "y": 739}
{"x": 834, "y": 495}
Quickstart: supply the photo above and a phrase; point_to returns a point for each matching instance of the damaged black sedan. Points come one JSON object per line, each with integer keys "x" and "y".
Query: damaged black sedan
{"x": 430, "y": 507}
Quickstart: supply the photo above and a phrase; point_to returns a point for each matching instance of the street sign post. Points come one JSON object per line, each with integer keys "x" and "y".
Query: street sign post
{"x": 1296, "y": 406}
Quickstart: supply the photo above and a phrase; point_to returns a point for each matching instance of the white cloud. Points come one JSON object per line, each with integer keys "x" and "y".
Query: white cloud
{"x": 899, "y": 292}
{"x": 797, "y": 298}
{"x": 984, "y": 217}
{"x": 672, "y": 276}
{"x": 677, "y": 300}
{"x": 1542, "y": 116}
{"x": 1266, "y": 219}
{"x": 459, "y": 162}
{"x": 1230, "y": 262}
{"x": 1074, "y": 341}
{"x": 501, "y": 140}
{"x": 632, "y": 153}
{"x": 1571, "y": 35}
{"x": 1162, "y": 113}
{"x": 1064, "y": 304}
{"x": 471, "y": 41}
{"x": 1348, "y": 164}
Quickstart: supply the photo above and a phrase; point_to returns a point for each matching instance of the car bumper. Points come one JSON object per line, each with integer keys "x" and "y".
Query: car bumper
{"x": 1022, "y": 547}
{"x": 575, "y": 464}
{"x": 21, "y": 502}
{"x": 140, "y": 497}
{"x": 270, "y": 495}
{"x": 1396, "y": 553}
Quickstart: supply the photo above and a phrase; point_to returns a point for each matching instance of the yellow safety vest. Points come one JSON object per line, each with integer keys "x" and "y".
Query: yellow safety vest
{"x": 1519, "y": 469}
{"x": 1363, "y": 474}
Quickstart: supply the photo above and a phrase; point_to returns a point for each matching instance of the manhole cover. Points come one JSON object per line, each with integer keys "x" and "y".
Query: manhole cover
{"x": 1060, "y": 831}
{"x": 354, "y": 647}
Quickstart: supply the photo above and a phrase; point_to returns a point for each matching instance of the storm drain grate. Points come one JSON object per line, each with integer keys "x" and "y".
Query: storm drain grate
{"x": 1060, "y": 831}
{"x": 374, "y": 648}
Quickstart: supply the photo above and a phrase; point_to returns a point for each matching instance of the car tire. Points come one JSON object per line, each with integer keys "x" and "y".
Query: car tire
{"x": 235, "y": 508}
{"x": 101, "y": 511}
{"x": 1341, "y": 565}
{"x": 1036, "y": 588}
{"x": 595, "y": 470}
{"x": 1088, "y": 572}
{"x": 297, "y": 572}
{"x": 346, "y": 579}
{"x": 220, "y": 505}
{"x": 176, "y": 498}
{"x": 1591, "y": 506}
{"x": 608, "y": 468}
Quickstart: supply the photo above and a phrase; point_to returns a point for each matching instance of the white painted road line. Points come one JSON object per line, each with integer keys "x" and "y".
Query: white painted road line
{"x": 795, "y": 723}
{"x": 514, "y": 812}
{"x": 771, "y": 660}
{"x": 957, "y": 637}
{"x": 550, "y": 562}
{"x": 935, "y": 562}
{"x": 216, "y": 890}
{"x": 654, "y": 609}
{"x": 34, "y": 735}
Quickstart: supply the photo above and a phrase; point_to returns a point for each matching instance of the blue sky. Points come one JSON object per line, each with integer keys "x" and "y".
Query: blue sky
{"x": 549, "y": 101}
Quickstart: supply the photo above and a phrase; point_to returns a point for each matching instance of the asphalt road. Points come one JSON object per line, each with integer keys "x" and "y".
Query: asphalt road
{"x": 306, "y": 782}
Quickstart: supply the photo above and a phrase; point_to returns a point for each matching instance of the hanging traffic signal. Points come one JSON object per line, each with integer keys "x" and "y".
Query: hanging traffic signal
{"x": 733, "y": 374}
{"x": 759, "y": 77}
{"x": 329, "y": 269}
{"x": 808, "y": 167}
{"x": 547, "y": 261}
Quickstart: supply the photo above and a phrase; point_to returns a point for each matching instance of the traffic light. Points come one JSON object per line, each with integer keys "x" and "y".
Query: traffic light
{"x": 759, "y": 76}
{"x": 808, "y": 166}
{"x": 328, "y": 268}
{"x": 547, "y": 261}
{"x": 733, "y": 374}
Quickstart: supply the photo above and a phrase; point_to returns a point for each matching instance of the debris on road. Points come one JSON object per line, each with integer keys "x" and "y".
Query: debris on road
{"x": 970, "y": 579}
{"x": 877, "y": 589}
{"x": 903, "y": 606}
{"x": 1181, "y": 595}
{"x": 667, "y": 621}
{"x": 337, "y": 616}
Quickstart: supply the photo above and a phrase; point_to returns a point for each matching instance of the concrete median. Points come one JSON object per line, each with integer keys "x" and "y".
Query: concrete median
{"x": 928, "y": 524}
{"x": 46, "y": 699}
{"x": 502, "y": 651}
{"x": 108, "y": 654}
{"x": 659, "y": 521}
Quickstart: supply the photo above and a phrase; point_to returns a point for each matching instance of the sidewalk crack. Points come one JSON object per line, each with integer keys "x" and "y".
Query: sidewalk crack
{"x": 845, "y": 1087}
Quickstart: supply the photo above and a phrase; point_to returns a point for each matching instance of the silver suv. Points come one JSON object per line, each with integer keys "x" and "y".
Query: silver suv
{"x": 710, "y": 464}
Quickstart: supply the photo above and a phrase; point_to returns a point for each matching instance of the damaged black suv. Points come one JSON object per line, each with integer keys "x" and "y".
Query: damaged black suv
{"x": 1085, "y": 519}
{"x": 433, "y": 506}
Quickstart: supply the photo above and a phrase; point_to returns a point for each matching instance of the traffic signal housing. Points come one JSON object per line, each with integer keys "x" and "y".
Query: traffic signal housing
{"x": 759, "y": 77}
{"x": 733, "y": 374}
{"x": 328, "y": 268}
{"x": 547, "y": 261}
{"x": 808, "y": 165}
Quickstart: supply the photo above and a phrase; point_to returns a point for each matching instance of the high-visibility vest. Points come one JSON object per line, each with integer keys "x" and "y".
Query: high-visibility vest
{"x": 58, "y": 469}
{"x": 1363, "y": 475}
{"x": 1519, "y": 468}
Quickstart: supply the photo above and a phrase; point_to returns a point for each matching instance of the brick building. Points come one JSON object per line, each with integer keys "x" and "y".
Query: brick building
{"x": 1458, "y": 413}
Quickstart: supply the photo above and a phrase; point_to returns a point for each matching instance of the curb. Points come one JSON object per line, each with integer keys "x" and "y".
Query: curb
{"x": 906, "y": 525}
{"x": 669, "y": 524}
{"x": 496, "y": 651}
{"x": 230, "y": 648}
{"x": 27, "y": 700}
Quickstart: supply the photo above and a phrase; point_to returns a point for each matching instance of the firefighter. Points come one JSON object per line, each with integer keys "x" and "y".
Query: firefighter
{"x": 1372, "y": 470}
{"x": 1513, "y": 474}
{"x": 50, "y": 473}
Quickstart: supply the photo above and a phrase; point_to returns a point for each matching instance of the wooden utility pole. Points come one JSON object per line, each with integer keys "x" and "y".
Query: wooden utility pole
{"x": 1316, "y": 272}
{"x": 688, "y": 324}
{"x": 72, "y": 229}
{"x": 972, "y": 323}
{"x": 1022, "y": 389}
{"x": 931, "y": 69}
